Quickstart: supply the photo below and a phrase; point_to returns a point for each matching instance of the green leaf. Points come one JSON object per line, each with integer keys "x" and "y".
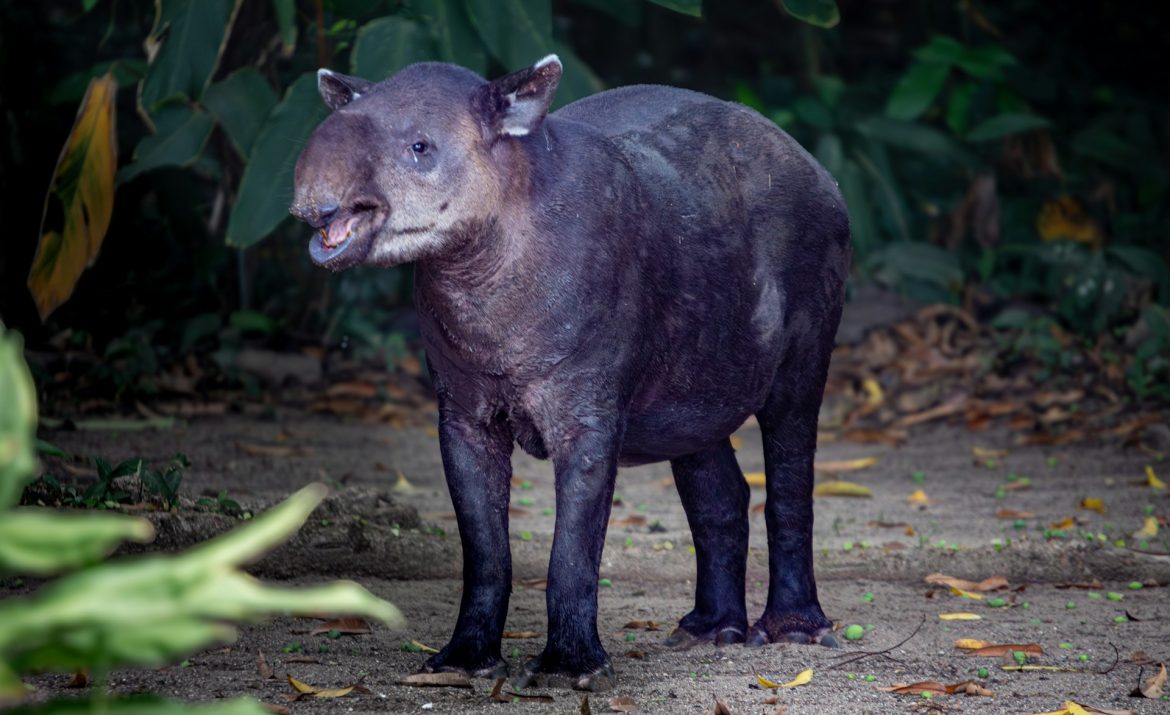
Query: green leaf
{"x": 813, "y": 112}
{"x": 862, "y": 221}
{"x": 916, "y": 90}
{"x": 141, "y": 705}
{"x": 18, "y": 419}
{"x": 914, "y": 137}
{"x": 454, "y": 36}
{"x": 517, "y": 32}
{"x": 1006, "y": 124}
{"x": 39, "y": 542}
{"x": 267, "y": 185}
{"x": 693, "y": 8}
{"x": 251, "y": 321}
{"x": 985, "y": 62}
{"x": 918, "y": 261}
{"x": 941, "y": 50}
{"x": 624, "y": 11}
{"x": 821, "y": 13}
{"x": 177, "y": 143}
{"x": 192, "y": 34}
{"x": 87, "y": 5}
{"x": 1145, "y": 263}
{"x": 1101, "y": 143}
{"x": 388, "y": 44}
{"x": 240, "y": 103}
{"x": 959, "y": 107}
{"x": 286, "y": 21}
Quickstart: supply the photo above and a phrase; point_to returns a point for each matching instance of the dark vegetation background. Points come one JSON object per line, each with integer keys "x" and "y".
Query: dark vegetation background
{"x": 1009, "y": 158}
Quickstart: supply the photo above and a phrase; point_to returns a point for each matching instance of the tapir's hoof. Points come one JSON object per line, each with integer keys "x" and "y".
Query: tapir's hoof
{"x": 682, "y": 639}
{"x": 596, "y": 680}
{"x": 791, "y": 628}
{"x": 493, "y": 669}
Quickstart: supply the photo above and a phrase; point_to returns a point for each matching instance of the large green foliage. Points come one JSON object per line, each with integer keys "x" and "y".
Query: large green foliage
{"x": 146, "y": 611}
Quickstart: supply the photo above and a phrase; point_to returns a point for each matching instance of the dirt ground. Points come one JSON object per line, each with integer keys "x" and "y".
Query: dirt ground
{"x": 872, "y": 557}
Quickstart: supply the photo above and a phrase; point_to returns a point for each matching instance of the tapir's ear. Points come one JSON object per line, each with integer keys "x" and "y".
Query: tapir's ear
{"x": 339, "y": 90}
{"x": 515, "y": 104}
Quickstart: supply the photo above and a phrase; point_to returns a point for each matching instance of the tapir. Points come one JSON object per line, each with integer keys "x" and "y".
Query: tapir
{"x": 622, "y": 281}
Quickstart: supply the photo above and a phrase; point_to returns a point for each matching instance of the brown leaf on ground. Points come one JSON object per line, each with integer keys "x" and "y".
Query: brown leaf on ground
{"x": 303, "y": 689}
{"x": 643, "y": 626}
{"x": 622, "y": 704}
{"x": 862, "y": 435}
{"x": 345, "y": 626}
{"x": 302, "y": 659}
{"x": 1000, "y": 649}
{"x": 635, "y": 654}
{"x": 262, "y": 668}
{"x": 1139, "y": 657}
{"x": 991, "y": 583}
{"x": 969, "y": 687}
{"x": 839, "y": 466}
{"x": 631, "y": 520}
{"x": 887, "y": 524}
{"x": 953, "y": 405}
{"x": 358, "y": 389}
{"x": 1094, "y": 585}
{"x": 720, "y": 708}
{"x": 585, "y": 709}
{"x": 1153, "y": 686}
{"x": 539, "y": 584}
{"x": 924, "y": 686}
{"x": 273, "y": 450}
{"x": 982, "y": 454}
{"x": 79, "y": 679}
{"x": 1014, "y": 514}
{"x": 436, "y": 680}
{"x": 522, "y": 634}
{"x": 500, "y": 695}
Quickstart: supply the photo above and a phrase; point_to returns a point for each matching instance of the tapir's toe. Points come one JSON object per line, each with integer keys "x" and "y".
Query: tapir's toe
{"x": 792, "y": 628}
{"x": 537, "y": 674}
{"x": 682, "y": 638}
{"x": 445, "y": 662}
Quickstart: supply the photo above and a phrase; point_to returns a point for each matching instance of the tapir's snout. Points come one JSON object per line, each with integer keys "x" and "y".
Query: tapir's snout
{"x": 316, "y": 215}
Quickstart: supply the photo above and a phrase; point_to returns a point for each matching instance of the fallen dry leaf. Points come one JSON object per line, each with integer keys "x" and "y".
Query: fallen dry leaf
{"x": 643, "y": 626}
{"x": 1149, "y": 529}
{"x": 500, "y": 695}
{"x": 720, "y": 708}
{"x": 1067, "y": 522}
{"x": 423, "y": 647}
{"x": 953, "y": 405}
{"x": 631, "y": 520}
{"x": 918, "y": 498}
{"x": 436, "y": 680}
{"x": 262, "y": 668}
{"x": 844, "y": 465}
{"x": 998, "y": 650}
{"x": 622, "y": 704}
{"x": 982, "y": 454}
{"x": 1153, "y": 686}
{"x": 841, "y": 488}
{"x": 1014, "y": 514}
{"x": 522, "y": 634}
{"x": 924, "y": 686}
{"x": 1152, "y": 480}
{"x": 538, "y": 584}
{"x": 79, "y": 679}
{"x": 970, "y": 643}
{"x": 303, "y": 688}
{"x": 344, "y": 626}
{"x": 1093, "y": 504}
{"x": 959, "y": 617}
{"x": 991, "y": 583}
{"x": 861, "y": 435}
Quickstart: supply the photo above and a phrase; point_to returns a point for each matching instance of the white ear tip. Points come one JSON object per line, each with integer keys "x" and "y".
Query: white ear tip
{"x": 548, "y": 60}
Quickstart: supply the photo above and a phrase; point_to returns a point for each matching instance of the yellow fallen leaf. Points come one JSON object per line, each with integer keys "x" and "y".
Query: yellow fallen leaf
{"x": 423, "y": 647}
{"x": 1149, "y": 529}
{"x": 1066, "y": 523}
{"x": 1152, "y": 479}
{"x": 839, "y": 488}
{"x": 964, "y": 594}
{"x": 300, "y": 687}
{"x": 918, "y": 497}
{"x": 1065, "y": 218}
{"x": 991, "y": 583}
{"x": 985, "y": 453}
{"x": 306, "y": 689}
{"x": 765, "y": 683}
{"x": 756, "y": 479}
{"x": 873, "y": 392}
{"x": 959, "y": 617}
{"x": 403, "y": 485}
{"x": 1075, "y": 708}
{"x": 804, "y": 677}
{"x": 970, "y": 643}
{"x": 1093, "y": 504}
{"x": 845, "y": 465}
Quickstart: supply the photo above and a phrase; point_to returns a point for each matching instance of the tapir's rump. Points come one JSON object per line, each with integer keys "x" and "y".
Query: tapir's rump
{"x": 624, "y": 280}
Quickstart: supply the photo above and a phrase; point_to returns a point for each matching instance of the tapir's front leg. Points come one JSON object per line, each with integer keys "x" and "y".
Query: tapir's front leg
{"x": 586, "y": 464}
{"x": 477, "y": 461}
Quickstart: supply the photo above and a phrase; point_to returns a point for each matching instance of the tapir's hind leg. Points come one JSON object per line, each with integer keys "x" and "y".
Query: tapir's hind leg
{"x": 788, "y": 421}
{"x": 715, "y": 497}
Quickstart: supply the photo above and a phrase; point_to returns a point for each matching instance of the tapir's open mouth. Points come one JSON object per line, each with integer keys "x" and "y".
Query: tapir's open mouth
{"x": 346, "y": 238}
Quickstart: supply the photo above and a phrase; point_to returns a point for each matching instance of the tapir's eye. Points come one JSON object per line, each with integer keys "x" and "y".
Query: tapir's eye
{"x": 420, "y": 147}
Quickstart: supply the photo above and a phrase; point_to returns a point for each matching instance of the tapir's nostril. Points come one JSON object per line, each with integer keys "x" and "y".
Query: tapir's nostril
{"x": 315, "y": 216}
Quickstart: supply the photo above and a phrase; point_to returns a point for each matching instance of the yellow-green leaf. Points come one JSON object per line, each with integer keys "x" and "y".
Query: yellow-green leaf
{"x": 83, "y": 186}
{"x": 841, "y": 488}
{"x": 1152, "y": 479}
{"x": 804, "y": 677}
{"x": 959, "y": 617}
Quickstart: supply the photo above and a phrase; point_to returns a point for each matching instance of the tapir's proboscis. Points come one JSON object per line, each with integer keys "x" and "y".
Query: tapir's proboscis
{"x": 622, "y": 281}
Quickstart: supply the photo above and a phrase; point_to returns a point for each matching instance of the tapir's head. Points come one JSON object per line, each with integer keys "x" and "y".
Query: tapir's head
{"x": 402, "y": 168}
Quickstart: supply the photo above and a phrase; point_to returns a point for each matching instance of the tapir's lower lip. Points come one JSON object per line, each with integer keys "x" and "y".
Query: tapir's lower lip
{"x": 360, "y": 227}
